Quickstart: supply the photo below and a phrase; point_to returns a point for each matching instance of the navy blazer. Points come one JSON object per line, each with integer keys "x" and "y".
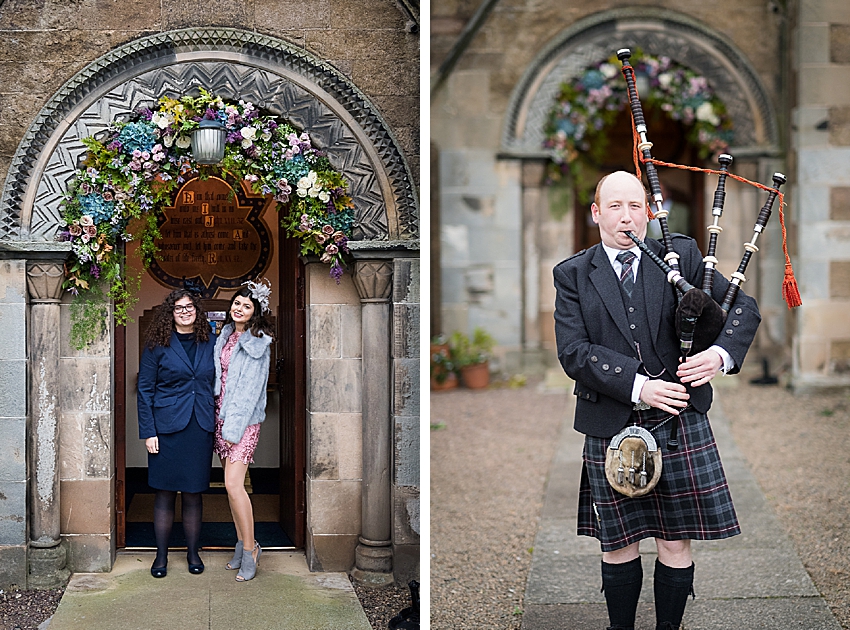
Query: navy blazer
{"x": 595, "y": 348}
{"x": 171, "y": 388}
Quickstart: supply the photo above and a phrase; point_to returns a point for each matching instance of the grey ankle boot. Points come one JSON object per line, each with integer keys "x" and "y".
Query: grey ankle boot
{"x": 236, "y": 560}
{"x": 249, "y": 565}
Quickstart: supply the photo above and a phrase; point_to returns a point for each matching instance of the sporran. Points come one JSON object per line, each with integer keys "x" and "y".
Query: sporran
{"x": 633, "y": 462}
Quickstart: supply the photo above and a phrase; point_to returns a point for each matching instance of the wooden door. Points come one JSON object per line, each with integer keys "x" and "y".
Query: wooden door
{"x": 291, "y": 367}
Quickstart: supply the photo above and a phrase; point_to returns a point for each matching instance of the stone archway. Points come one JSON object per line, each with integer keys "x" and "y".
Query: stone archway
{"x": 276, "y": 75}
{"x": 659, "y": 32}
{"x": 282, "y": 79}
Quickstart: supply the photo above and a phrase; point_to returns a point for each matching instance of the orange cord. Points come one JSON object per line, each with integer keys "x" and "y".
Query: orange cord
{"x": 790, "y": 292}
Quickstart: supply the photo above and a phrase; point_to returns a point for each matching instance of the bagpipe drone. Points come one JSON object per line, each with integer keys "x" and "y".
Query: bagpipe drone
{"x": 699, "y": 319}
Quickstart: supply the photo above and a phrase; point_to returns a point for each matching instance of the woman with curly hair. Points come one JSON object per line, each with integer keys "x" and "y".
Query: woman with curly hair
{"x": 242, "y": 355}
{"x": 176, "y": 418}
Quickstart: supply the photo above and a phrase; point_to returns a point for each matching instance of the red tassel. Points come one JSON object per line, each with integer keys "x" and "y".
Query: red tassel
{"x": 790, "y": 292}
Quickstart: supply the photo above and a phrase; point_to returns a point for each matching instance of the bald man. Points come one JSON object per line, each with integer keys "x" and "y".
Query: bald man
{"x": 615, "y": 329}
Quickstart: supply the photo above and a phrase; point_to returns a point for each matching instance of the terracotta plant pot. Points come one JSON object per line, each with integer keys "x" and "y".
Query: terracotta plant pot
{"x": 475, "y": 376}
{"x": 450, "y": 382}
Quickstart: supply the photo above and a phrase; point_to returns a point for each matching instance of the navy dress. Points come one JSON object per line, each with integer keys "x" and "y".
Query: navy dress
{"x": 184, "y": 459}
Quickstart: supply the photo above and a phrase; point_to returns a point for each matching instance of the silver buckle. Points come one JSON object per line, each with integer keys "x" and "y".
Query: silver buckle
{"x": 641, "y": 406}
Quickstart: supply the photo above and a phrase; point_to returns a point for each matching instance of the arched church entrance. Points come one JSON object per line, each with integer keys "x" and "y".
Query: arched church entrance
{"x": 556, "y": 225}
{"x": 329, "y": 334}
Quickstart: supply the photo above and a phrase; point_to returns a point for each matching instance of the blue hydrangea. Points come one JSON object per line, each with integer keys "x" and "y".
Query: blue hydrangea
{"x": 292, "y": 170}
{"x": 97, "y": 207}
{"x": 138, "y": 135}
{"x": 593, "y": 79}
{"x": 341, "y": 221}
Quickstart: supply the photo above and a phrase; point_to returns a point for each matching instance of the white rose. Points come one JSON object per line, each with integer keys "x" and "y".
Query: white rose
{"x": 302, "y": 192}
{"x": 246, "y": 143}
{"x": 324, "y": 197}
{"x": 304, "y": 182}
{"x": 609, "y": 70}
{"x": 706, "y": 112}
{"x": 665, "y": 79}
{"x": 249, "y": 133}
{"x": 162, "y": 120}
{"x": 314, "y": 191}
{"x": 184, "y": 142}
{"x": 168, "y": 141}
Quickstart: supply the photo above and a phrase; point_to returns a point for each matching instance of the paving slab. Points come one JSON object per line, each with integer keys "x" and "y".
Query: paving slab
{"x": 284, "y": 595}
{"x": 754, "y": 581}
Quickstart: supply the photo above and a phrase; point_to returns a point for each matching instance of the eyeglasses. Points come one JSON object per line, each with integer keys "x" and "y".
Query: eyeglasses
{"x": 189, "y": 308}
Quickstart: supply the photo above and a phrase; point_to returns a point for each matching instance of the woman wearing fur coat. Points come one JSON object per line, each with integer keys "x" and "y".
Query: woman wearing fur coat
{"x": 242, "y": 354}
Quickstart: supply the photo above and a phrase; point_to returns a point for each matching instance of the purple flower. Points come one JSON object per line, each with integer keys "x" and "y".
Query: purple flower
{"x": 234, "y": 136}
{"x": 336, "y": 271}
{"x": 95, "y": 271}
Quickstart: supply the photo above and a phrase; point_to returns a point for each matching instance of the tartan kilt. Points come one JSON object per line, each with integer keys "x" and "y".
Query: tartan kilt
{"x": 691, "y": 500}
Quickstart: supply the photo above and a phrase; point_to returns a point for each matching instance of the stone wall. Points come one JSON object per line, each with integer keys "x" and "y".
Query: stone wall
{"x": 406, "y": 524}
{"x": 13, "y": 423}
{"x": 334, "y": 445}
{"x": 86, "y": 450}
{"x": 822, "y": 122}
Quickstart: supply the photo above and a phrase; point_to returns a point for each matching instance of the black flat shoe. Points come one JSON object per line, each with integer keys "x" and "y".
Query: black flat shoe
{"x": 195, "y": 569}
{"x": 159, "y": 572}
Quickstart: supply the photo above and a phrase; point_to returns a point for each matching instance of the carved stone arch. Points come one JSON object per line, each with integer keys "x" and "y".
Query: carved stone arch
{"x": 657, "y": 32}
{"x": 276, "y": 75}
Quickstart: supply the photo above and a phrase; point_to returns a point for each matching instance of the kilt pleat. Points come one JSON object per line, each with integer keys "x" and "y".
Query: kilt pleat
{"x": 691, "y": 501}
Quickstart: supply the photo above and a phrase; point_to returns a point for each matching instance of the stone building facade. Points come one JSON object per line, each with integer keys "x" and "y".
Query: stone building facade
{"x": 778, "y": 66}
{"x": 347, "y": 72}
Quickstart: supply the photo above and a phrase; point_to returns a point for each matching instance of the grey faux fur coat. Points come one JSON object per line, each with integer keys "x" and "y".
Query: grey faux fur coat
{"x": 244, "y": 401}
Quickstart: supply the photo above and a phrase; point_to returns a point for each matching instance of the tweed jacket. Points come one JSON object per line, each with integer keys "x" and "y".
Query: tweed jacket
{"x": 594, "y": 344}
{"x": 244, "y": 401}
{"x": 171, "y": 388}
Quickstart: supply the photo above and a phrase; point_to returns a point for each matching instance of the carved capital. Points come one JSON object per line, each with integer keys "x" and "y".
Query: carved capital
{"x": 44, "y": 280}
{"x": 374, "y": 280}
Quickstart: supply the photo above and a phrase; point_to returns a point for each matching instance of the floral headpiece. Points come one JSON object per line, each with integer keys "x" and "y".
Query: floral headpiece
{"x": 261, "y": 290}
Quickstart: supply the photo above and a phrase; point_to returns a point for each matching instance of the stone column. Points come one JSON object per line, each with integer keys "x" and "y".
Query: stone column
{"x": 47, "y": 557}
{"x": 373, "y": 555}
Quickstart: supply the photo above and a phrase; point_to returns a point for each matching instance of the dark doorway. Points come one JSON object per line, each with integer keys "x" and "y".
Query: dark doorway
{"x": 277, "y": 494}
{"x": 683, "y": 188}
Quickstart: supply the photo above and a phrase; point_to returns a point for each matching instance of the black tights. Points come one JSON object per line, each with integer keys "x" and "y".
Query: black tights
{"x": 163, "y": 519}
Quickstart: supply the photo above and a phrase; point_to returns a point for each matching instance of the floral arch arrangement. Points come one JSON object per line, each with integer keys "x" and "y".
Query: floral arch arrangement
{"x": 586, "y": 106}
{"x": 134, "y": 168}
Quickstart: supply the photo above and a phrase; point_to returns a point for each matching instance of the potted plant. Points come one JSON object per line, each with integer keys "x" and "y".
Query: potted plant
{"x": 472, "y": 357}
{"x": 443, "y": 374}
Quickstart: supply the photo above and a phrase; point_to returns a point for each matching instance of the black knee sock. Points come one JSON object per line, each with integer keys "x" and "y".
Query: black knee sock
{"x": 621, "y": 583}
{"x": 672, "y": 587}
{"x": 163, "y": 519}
{"x": 193, "y": 511}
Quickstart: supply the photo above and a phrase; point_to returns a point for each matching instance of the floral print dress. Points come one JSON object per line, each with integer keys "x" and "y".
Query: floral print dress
{"x": 243, "y": 450}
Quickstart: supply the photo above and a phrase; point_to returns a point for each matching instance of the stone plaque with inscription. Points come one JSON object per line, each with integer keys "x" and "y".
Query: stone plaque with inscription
{"x": 214, "y": 233}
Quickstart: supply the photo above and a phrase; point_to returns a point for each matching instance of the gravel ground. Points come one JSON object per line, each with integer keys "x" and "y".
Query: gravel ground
{"x": 797, "y": 448}
{"x": 25, "y": 610}
{"x": 490, "y": 452}
{"x": 381, "y": 605}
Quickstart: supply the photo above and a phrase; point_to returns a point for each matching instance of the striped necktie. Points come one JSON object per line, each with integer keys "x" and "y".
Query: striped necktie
{"x": 627, "y": 276}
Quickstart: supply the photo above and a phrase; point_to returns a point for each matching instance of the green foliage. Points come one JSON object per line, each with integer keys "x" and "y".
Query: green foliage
{"x": 471, "y": 351}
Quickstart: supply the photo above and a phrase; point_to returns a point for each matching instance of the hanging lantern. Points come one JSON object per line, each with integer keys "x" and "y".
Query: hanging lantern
{"x": 208, "y": 142}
